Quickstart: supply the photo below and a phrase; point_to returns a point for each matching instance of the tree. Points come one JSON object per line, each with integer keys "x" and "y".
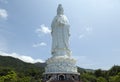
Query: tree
{"x": 101, "y": 79}
{"x": 88, "y": 77}
{"x": 115, "y": 78}
{"x": 114, "y": 70}
{"x": 98, "y": 73}
{"x": 24, "y": 79}
{"x": 9, "y": 77}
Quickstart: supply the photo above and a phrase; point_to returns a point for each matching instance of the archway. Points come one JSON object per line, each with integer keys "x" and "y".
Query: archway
{"x": 49, "y": 77}
{"x": 61, "y": 77}
{"x": 73, "y": 77}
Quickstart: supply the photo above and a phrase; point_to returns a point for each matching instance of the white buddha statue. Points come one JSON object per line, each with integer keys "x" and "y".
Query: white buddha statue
{"x": 60, "y": 33}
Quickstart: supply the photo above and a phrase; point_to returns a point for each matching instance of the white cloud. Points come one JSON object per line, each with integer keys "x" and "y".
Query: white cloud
{"x": 3, "y": 14}
{"x": 88, "y": 29}
{"x": 43, "y": 29}
{"x": 85, "y": 32}
{"x": 85, "y": 62}
{"x": 81, "y": 36}
{"x": 21, "y": 57}
{"x": 39, "y": 44}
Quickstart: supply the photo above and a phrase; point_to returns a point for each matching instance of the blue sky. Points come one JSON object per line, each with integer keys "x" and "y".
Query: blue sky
{"x": 95, "y": 30}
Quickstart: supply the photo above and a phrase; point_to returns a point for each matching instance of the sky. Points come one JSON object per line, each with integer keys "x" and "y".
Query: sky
{"x": 25, "y": 27}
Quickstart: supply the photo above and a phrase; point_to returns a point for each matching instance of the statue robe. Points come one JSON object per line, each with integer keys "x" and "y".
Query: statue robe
{"x": 60, "y": 33}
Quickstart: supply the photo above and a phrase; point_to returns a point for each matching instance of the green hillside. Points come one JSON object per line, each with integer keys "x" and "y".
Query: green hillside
{"x": 15, "y": 70}
{"x": 20, "y": 71}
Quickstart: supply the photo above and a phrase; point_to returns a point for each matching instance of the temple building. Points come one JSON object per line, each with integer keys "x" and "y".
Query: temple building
{"x": 61, "y": 67}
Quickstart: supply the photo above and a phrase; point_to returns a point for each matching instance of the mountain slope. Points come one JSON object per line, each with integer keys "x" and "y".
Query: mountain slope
{"x": 7, "y": 61}
{"x": 19, "y": 65}
{"x": 15, "y": 70}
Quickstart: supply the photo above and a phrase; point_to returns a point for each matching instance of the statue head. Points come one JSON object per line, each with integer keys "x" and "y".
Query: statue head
{"x": 60, "y": 10}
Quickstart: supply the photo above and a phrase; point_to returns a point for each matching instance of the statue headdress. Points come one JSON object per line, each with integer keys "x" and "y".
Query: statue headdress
{"x": 60, "y": 10}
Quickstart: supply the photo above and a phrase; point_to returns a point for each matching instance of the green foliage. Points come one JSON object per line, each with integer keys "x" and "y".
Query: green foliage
{"x": 98, "y": 73}
{"x": 115, "y": 78}
{"x": 7, "y": 75}
{"x": 24, "y": 79}
{"x": 88, "y": 77}
{"x": 112, "y": 75}
{"x": 101, "y": 79}
{"x": 114, "y": 70}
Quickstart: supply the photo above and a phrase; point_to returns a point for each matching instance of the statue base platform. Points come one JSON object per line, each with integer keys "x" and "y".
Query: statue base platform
{"x": 61, "y": 77}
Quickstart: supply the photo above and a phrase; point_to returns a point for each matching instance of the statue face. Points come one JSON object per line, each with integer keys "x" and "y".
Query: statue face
{"x": 60, "y": 10}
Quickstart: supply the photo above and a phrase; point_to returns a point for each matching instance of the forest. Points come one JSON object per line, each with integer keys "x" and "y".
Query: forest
{"x": 15, "y": 70}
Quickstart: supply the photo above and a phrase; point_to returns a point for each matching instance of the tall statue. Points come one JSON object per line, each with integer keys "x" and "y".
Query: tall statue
{"x": 60, "y": 33}
{"x": 61, "y": 66}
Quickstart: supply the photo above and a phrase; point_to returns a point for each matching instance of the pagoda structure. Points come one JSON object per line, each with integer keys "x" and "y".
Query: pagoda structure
{"x": 61, "y": 67}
